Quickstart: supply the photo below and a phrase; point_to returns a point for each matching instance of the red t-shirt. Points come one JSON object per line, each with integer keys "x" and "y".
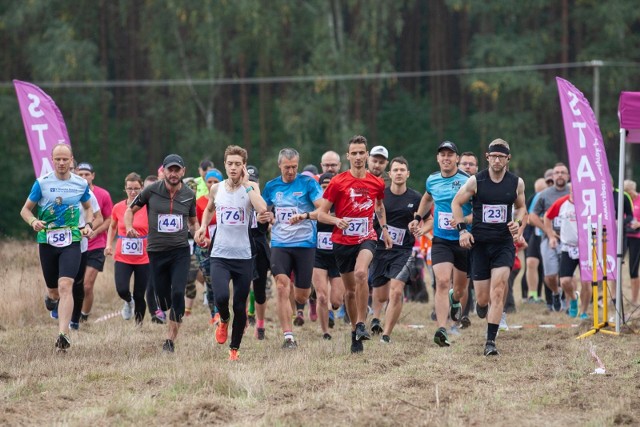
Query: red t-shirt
{"x": 201, "y": 205}
{"x": 354, "y": 198}
{"x": 105, "y": 203}
{"x": 135, "y": 250}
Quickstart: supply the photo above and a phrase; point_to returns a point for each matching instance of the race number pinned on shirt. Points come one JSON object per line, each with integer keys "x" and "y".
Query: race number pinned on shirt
{"x": 59, "y": 238}
{"x": 357, "y": 227}
{"x": 169, "y": 223}
{"x": 444, "y": 220}
{"x": 283, "y": 215}
{"x": 557, "y": 223}
{"x": 396, "y": 234}
{"x": 254, "y": 220}
{"x": 232, "y": 216}
{"x": 572, "y": 251}
{"x": 324, "y": 241}
{"x": 494, "y": 214}
{"x": 131, "y": 246}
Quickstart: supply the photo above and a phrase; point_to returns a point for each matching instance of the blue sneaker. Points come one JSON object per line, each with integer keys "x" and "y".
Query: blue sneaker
{"x": 573, "y": 308}
{"x": 54, "y": 313}
{"x": 584, "y": 316}
{"x": 455, "y": 309}
{"x": 74, "y": 325}
{"x": 341, "y": 312}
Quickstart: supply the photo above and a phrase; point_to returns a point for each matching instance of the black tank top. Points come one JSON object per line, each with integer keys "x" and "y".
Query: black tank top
{"x": 492, "y": 207}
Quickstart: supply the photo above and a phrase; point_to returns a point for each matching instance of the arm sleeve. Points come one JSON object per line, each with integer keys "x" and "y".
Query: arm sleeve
{"x": 36, "y": 192}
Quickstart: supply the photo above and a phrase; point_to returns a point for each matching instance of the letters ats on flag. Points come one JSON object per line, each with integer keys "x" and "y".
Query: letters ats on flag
{"x": 590, "y": 178}
{"x": 43, "y": 124}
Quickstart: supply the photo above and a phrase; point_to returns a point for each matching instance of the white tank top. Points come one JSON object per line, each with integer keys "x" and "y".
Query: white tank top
{"x": 233, "y": 215}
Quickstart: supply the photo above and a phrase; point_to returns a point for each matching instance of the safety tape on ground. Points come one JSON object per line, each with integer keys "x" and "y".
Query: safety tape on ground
{"x": 527, "y": 326}
{"x": 107, "y": 317}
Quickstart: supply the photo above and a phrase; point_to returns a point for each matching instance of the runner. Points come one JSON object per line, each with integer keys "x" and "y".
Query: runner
{"x": 330, "y": 162}
{"x": 232, "y": 201}
{"x": 633, "y": 240}
{"x": 171, "y": 211}
{"x": 377, "y": 163}
{"x": 201, "y": 185}
{"x": 97, "y": 238}
{"x": 130, "y": 255}
{"x": 448, "y": 258}
{"x": 293, "y": 198}
{"x": 391, "y": 268}
{"x": 531, "y": 279}
{"x": 57, "y": 195}
{"x": 499, "y": 212}
{"x": 356, "y": 194}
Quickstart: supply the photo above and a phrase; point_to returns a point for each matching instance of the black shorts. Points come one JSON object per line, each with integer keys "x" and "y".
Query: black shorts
{"x": 443, "y": 250}
{"x": 326, "y": 261}
{"x": 533, "y": 250}
{"x": 390, "y": 264}
{"x": 297, "y": 260}
{"x": 346, "y": 255}
{"x": 59, "y": 262}
{"x": 487, "y": 256}
{"x": 567, "y": 265}
{"x": 95, "y": 258}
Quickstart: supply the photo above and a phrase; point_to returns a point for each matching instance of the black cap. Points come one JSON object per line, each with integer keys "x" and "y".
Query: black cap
{"x": 448, "y": 145}
{"x": 254, "y": 175}
{"x": 326, "y": 177}
{"x": 84, "y": 166}
{"x": 173, "y": 160}
{"x": 206, "y": 164}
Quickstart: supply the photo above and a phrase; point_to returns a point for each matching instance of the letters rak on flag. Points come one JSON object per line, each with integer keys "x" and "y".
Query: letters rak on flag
{"x": 590, "y": 178}
{"x": 43, "y": 124}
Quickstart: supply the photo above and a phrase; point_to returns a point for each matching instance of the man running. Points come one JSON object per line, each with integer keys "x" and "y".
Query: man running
{"x": 171, "y": 207}
{"x": 330, "y": 162}
{"x": 57, "y": 196}
{"x": 391, "y": 269}
{"x": 496, "y": 225}
{"x": 356, "y": 194}
{"x": 377, "y": 163}
{"x": 292, "y": 198}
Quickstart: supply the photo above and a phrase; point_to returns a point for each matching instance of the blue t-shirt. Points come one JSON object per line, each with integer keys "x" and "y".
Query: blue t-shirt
{"x": 289, "y": 199}
{"x": 443, "y": 190}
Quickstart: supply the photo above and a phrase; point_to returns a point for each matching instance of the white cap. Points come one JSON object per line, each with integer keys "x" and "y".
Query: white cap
{"x": 379, "y": 150}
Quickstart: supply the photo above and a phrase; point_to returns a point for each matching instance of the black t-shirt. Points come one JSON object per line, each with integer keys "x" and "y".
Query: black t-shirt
{"x": 400, "y": 210}
{"x": 493, "y": 206}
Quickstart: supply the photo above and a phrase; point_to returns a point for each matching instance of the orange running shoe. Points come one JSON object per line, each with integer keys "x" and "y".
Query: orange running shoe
{"x": 221, "y": 332}
{"x": 215, "y": 319}
{"x": 234, "y": 354}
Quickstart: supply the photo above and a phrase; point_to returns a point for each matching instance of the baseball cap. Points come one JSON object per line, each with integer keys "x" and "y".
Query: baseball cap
{"x": 254, "y": 175}
{"x": 448, "y": 145}
{"x": 548, "y": 175}
{"x": 172, "y": 160}
{"x": 84, "y": 166}
{"x": 325, "y": 177}
{"x": 379, "y": 150}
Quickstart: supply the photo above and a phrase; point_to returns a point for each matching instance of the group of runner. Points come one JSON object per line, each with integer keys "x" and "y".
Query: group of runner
{"x": 336, "y": 232}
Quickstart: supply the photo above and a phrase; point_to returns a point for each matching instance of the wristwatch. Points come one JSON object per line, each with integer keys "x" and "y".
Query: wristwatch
{"x": 461, "y": 227}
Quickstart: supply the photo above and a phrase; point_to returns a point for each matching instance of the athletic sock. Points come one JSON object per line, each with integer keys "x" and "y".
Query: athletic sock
{"x": 299, "y": 307}
{"x": 492, "y": 331}
{"x": 288, "y": 335}
{"x": 260, "y": 323}
{"x": 252, "y": 303}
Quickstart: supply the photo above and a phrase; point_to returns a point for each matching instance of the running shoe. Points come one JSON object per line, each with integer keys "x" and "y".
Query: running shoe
{"x": 573, "y": 308}
{"x": 490, "y": 349}
{"x": 584, "y": 316}
{"x": 234, "y": 355}
{"x": 385, "y": 339}
{"x": 161, "y": 315}
{"x": 341, "y": 312}
{"x": 215, "y": 319}
{"x": 455, "y": 309}
{"x": 453, "y": 330}
{"x": 251, "y": 318}
{"x": 63, "y": 343}
{"x": 433, "y": 315}
{"x": 168, "y": 346}
{"x": 54, "y": 313}
{"x": 441, "y": 338}
{"x": 465, "y": 322}
{"x": 51, "y": 304}
{"x": 356, "y": 345}
{"x": 127, "y": 310}
{"x": 557, "y": 303}
{"x": 84, "y": 317}
{"x": 259, "y": 333}
{"x": 313, "y": 312}
{"x": 326, "y": 337}
{"x": 222, "y": 332}
{"x": 299, "y": 320}
{"x": 156, "y": 319}
{"x": 503, "y": 323}
{"x": 74, "y": 325}
{"x": 361, "y": 332}
{"x": 332, "y": 320}
{"x": 376, "y": 327}
{"x": 289, "y": 344}
{"x": 482, "y": 311}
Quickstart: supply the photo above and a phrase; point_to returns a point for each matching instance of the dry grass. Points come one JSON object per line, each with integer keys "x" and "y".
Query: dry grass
{"x": 117, "y": 374}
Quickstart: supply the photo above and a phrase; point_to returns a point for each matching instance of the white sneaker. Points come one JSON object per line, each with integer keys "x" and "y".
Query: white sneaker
{"x": 127, "y": 310}
{"x": 503, "y": 323}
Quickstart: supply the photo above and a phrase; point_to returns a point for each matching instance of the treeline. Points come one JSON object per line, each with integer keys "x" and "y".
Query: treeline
{"x": 131, "y": 127}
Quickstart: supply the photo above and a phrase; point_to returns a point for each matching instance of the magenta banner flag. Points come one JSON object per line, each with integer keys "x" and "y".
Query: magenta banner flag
{"x": 629, "y": 115}
{"x": 43, "y": 124}
{"x": 590, "y": 179}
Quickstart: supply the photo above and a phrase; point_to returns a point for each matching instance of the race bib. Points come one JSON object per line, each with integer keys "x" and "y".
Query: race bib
{"x": 84, "y": 245}
{"x": 557, "y": 223}
{"x": 254, "y": 220}
{"x": 59, "y": 238}
{"x": 212, "y": 229}
{"x": 494, "y": 214}
{"x": 444, "y": 220}
{"x": 396, "y": 234}
{"x": 357, "y": 227}
{"x": 573, "y": 251}
{"x": 324, "y": 241}
{"x": 169, "y": 223}
{"x": 232, "y": 216}
{"x": 131, "y": 246}
{"x": 283, "y": 215}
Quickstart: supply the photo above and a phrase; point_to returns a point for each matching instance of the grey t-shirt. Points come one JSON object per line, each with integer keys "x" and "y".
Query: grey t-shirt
{"x": 547, "y": 197}
{"x": 168, "y": 218}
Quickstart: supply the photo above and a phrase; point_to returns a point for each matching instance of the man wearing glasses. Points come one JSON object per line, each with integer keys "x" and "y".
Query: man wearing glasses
{"x": 330, "y": 162}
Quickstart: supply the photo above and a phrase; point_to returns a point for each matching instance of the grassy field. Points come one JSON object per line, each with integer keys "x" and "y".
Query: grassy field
{"x": 116, "y": 373}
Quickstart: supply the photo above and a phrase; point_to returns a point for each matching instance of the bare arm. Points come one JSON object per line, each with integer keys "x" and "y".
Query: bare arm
{"x": 207, "y": 215}
{"x": 128, "y": 220}
{"x": 381, "y": 214}
{"x": 466, "y": 192}
{"x": 520, "y": 213}
{"x": 28, "y": 217}
{"x": 108, "y": 250}
{"x": 423, "y": 209}
{"x": 313, "y": 215}
{"x": 325, "y": 217}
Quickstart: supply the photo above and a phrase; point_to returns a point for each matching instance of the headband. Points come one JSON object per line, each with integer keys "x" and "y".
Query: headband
{"x": 499, "y": 148}
{"x": 213, "y": 173}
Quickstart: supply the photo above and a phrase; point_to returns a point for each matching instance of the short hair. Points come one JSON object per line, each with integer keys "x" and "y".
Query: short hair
{"x": 357, "y": 139}
{"x": 499, "y": 142}
{"x": 151, "y": 178}
{"x": 629, "y": 185}
{"x": 133, "y": 177}
{"x": 401, "y": 160}
{"x": 287, "y": 153}
{"x": 61, "y": 144}
{"x": 235, "y": 150}
{"x": 560, "y": 164}
{"x": 206, "y": 164}
{"x": 469, "y": 154}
